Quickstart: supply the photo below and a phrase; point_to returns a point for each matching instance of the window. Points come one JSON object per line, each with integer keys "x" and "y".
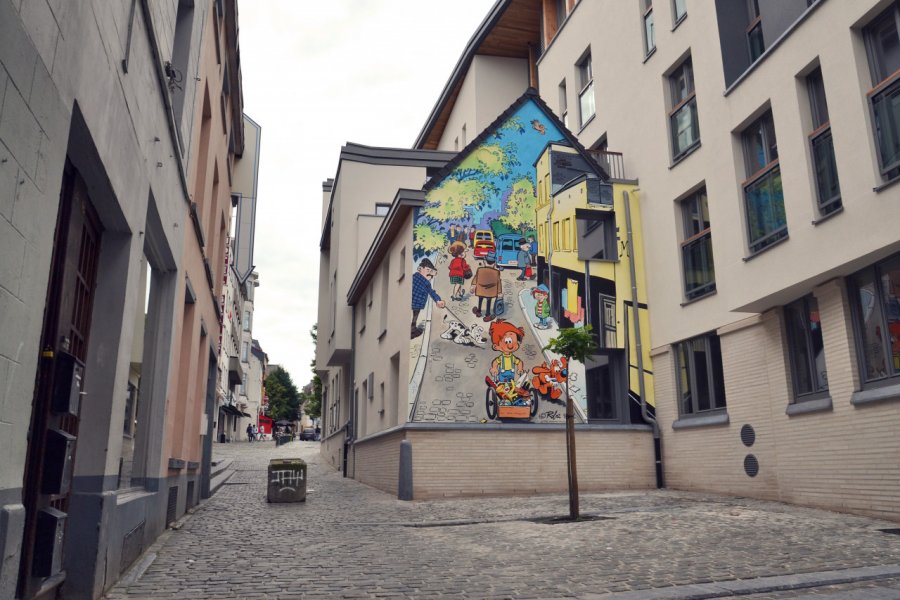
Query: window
{"x": 683, "y": 122}
{"x": 586, "y": 95}
{"x": 696, "y": 249}
{"x": 401, "y": 269}
{"x": 679, "y": 11}
{"x": 596, "y": 233}
{"x": 605, "y": 385}
{"x": 700, "y": 381}
{"x": 382, "y": 209}
{"x": 560, "y": 13}
{"x": 463, "y": 138}
{"x": 245, "y": 352}
{"x": 244, "y": 385}
{"x": 385, "y": 280}
{"x": 565, "y": 234}
{"x": 556, "y": 235}
{"x": 246, "y": 320}
{"x": 563, "y": 104}
{"x": 362, "y": 316}
{"x": 883, "y": 45}
{"x": 755, "y": 43}
{"x": 805, "y": 347}
{"x": 649, "y": 32}
{"x": 763, "y": 194}
{"x": 828, "y": 191}
{"x": 876, "y": 298}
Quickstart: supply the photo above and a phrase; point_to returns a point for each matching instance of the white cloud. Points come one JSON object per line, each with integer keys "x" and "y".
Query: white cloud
{"x": 317, "y": 75}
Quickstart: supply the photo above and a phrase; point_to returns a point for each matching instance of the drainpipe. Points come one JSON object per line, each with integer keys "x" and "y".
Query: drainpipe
{"x": 645, "y": 412}
{"x": 354, "y": 399}
{"x": 550, "y": 244}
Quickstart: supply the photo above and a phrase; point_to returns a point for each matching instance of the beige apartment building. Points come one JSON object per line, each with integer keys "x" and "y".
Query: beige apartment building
{"x": 761, "y": 137}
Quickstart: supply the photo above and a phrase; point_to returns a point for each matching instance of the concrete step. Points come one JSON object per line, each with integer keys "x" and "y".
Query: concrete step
{"x": 221, "y": 471}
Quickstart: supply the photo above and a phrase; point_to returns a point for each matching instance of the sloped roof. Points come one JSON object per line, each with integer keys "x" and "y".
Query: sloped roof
{"x": 532, "y": 95}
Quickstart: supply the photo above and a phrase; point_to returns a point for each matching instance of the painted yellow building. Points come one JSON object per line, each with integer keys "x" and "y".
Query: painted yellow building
{"x": 589, "y": 233}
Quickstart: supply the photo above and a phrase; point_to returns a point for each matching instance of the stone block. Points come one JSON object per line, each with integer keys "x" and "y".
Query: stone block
{"x": 12, "y": 524}
{"x": 12, "y": 257}
{"x": 9, "y": 180}
{"x": 17, "y": 54}
{"x": 15, "y": 320}
{"x": 286, "y": 480}
{"x": 34, "y": 212}
{"x": 20, "y": 132}
{"x": 48, "y": 107}
{"x": 41, "y": 26}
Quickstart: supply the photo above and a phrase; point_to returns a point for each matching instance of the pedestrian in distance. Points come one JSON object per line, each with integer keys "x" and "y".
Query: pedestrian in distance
{"x": 250, "y": 432}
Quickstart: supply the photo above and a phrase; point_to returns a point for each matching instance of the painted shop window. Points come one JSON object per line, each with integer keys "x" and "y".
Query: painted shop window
{"x": 763, "y": 194}
{"x": 875, "y": 293}
{"x": 649, "y": 28}
{"x": 805, "y": 347}
{"x": 597, "y": 232}
{"x": 586, "y": 95}
{"x": 700, "y": 380}
{"x": 696, "y": 249}
{"x": 883, "y": 47}
{"x": 828, "y": 189}
{"x": 556, "y": 235}
{"x": 684, "y": 125}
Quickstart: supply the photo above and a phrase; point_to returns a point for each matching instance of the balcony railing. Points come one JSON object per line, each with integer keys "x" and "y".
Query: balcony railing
{"x": 612, "y": 162}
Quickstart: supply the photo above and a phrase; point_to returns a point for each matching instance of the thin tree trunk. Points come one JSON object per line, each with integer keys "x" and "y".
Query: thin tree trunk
{"x": 570, "y": 456}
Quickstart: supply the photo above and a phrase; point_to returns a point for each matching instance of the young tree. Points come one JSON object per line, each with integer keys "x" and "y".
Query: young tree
{"x": 575, "y": 343}
{"x": 520, "y": 215}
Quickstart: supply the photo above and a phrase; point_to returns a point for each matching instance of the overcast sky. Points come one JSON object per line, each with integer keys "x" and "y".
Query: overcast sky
{"x": 317, "y": 75}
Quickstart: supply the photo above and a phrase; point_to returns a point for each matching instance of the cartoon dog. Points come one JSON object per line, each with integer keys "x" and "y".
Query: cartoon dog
{"x": 549, "y": 379}
{"x": 466, "y": 336}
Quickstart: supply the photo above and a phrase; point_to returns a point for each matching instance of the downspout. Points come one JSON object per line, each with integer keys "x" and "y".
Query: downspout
{"x": 354, "y": 398}
{"x": 645, "y": 412}
{"x": 550, "y": 245}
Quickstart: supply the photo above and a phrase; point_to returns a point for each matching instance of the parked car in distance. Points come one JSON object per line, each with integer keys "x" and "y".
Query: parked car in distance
{"x": 508, "y": 250}
{"x": 308, "y": 435}
{"x": 483, "y": 243}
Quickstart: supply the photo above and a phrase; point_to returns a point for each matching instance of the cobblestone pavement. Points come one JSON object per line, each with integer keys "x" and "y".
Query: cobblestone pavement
{"x": 351, "y": 541}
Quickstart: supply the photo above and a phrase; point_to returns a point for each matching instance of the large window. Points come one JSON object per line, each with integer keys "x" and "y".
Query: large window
{"x": 828, "y": 190}
{"x": 805, "y": 347}
{"x": 763, "y": 194}
{"x": 683, "y": 122}
{"x": 586, "y": 95}
{"x": 606, "y": 385}
{"x": 700, "y": 381}
{"x": 696, "y": 249}
{"x": 649, "y": 30}
{"x": 876, "y": 293}
{"x": 883, "y": 45}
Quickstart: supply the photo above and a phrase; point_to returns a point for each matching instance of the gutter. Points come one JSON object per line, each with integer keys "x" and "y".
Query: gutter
{"x": 645, "y": 412}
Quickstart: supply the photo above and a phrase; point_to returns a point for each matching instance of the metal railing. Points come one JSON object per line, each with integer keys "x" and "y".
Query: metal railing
{"x": 612, "y": 162}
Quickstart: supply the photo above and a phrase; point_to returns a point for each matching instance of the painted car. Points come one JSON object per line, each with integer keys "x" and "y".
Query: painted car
{"x": 508, "y": 250}
{"x": 483, "y": 243}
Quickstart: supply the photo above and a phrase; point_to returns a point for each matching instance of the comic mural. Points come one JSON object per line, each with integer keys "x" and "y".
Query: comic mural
{"x": 482, "y": 301}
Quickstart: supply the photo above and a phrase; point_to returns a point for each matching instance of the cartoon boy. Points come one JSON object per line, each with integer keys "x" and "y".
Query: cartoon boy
{"x": 506, "y": 339}
{"x": 421, "y": 290}
{"x": 541, "y": 297}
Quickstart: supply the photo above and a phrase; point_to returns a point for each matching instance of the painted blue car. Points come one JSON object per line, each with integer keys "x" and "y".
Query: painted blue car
{"x": 508, "y": 250}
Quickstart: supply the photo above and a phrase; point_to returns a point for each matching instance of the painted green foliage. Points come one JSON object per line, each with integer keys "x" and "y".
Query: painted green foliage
{"x": 520, "y": 213}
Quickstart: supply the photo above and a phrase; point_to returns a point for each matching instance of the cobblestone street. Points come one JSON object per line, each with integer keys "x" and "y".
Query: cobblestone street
{"x": 351, "y": 541}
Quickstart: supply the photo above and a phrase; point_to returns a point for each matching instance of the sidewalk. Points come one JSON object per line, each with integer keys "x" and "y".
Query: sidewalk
{"x": 577, "y": 381}
{"x": 351, "y": 541}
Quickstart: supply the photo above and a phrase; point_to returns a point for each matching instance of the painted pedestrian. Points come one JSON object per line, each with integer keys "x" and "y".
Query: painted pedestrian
{"x": 421, "y": 290}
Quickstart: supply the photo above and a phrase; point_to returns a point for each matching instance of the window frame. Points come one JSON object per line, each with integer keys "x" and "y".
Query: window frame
{"x": 690, "y": 205}
{"x": 853, "y": 289}
{"x": 563, "y": 104}
{"x": 765, "y": 123}
{"x": 585, "y": 71}
{"x": 684, "y": 70}
{"x": 648, "y": 23}
{"x": 805, "y": 308}
{"x": 692, "y": 376}
{"x": 676, "y": 18}
{"x": 884, "y": 83}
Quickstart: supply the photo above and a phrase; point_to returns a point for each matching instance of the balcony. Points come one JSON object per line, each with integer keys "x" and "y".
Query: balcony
{"x": 235, "y": 372}
{"x": 612, "y": 162}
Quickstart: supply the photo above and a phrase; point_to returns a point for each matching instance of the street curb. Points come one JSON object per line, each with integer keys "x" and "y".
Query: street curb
{"x": 760, "y": 585}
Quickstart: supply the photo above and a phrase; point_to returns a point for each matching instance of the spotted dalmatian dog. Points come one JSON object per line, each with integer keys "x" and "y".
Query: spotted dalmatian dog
{"x": 466, "y": 336}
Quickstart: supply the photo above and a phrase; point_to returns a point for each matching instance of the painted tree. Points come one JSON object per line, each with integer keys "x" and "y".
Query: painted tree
{"x": 487, "y": 159}
{"x": 575, "y": 343}
{"x": 454, "y": 199}
{"x": 427, "y": 240}
{"x": 520, "y": 214}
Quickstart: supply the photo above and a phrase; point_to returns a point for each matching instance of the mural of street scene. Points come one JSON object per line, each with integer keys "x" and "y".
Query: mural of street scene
{"x": 480, "y": 316}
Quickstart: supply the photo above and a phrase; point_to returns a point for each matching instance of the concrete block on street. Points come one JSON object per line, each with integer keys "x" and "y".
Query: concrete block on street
{"x": 286, "y": 480}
